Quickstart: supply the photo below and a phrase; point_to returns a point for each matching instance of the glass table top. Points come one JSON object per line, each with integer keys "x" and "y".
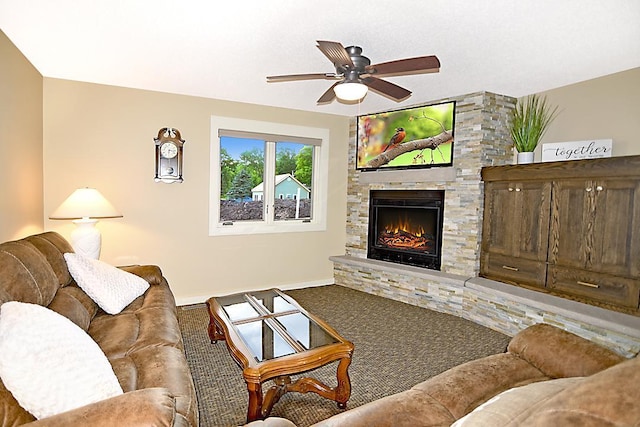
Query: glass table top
{"x": 273, "y": 326}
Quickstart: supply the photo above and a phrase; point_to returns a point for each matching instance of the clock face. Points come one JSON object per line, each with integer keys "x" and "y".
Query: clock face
{"x": 168, "y": 150}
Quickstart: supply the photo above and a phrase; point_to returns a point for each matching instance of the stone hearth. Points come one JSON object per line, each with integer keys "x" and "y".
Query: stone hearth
{"x": 481, "y": 139}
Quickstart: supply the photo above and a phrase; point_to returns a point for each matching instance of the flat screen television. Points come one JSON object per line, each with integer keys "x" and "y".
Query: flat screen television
{"x": 417, "y": 137}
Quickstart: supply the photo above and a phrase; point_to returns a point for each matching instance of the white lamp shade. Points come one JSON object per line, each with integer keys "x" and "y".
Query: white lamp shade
{"x": 350, "y": 91}
{"x": 85, "y": 203}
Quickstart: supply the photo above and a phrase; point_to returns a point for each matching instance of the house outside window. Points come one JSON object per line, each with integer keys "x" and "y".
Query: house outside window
{"x": 267, "y": 177}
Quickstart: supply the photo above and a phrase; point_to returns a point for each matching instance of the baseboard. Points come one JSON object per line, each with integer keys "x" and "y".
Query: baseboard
{"x": 203, "y": 298}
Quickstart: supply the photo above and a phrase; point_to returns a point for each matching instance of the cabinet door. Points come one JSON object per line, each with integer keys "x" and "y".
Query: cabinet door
{"x": 593, "y": 224}
{"x": 571, "y": 223}
{"x": 616, "y": 247}
{"x": 515, "y": 231}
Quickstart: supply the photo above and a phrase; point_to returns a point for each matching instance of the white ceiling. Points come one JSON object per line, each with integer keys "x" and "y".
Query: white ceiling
{"x": 224, "y": 50}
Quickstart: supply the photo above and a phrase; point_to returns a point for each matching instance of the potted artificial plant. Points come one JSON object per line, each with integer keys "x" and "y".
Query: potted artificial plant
{"x": 529, "y": 121}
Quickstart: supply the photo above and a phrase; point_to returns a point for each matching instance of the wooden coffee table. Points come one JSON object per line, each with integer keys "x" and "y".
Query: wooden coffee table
{"x": 271, "y": 337}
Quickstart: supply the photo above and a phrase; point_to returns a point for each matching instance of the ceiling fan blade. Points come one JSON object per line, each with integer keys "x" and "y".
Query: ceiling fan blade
{"x": 329, "y": 95}
{"x": 401, "y": 67}
{"x": 386, "y": 88}
{"x": 313, "y": 76}
{"x": 336, "y": 53}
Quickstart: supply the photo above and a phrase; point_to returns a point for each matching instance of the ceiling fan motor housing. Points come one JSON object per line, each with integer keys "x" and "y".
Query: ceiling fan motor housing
{"x": 359, "y": 62}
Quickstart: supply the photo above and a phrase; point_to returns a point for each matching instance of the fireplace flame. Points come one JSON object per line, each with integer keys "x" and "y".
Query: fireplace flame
{"x": 406, "y": 226}
{"x": 406, "y": 235}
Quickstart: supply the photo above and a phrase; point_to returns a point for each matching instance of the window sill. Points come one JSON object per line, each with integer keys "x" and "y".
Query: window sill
{"x": 240, "y": 228}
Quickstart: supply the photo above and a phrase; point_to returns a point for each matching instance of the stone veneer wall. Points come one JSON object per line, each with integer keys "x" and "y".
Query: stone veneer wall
{"x": 481, "y": 140}
{"x": 501, "y": 307}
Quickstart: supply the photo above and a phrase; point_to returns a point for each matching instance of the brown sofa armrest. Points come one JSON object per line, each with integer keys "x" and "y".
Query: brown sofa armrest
{"x": 146, "y": 407}
{"x": 150, "y": 273}
{"x": 462, "y": 388}
{"x": 561, "y": 354}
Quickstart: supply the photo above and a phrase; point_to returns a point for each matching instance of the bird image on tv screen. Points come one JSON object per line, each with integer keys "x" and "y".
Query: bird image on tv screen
{"x": 418, "y": 137}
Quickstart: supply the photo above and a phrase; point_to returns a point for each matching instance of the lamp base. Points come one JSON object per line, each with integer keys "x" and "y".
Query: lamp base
{"x": 86, "y": 238}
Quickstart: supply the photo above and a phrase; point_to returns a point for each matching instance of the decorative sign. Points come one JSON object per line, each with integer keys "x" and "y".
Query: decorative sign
{"x": 575, "y": 150}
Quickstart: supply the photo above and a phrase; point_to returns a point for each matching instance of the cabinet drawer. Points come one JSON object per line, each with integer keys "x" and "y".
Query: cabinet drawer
{"x": 515, "y": 270}
{"x": 598, "y": 287}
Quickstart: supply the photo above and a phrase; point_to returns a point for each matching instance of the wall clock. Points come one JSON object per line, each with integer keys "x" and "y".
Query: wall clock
{"x": 169, "y": 147}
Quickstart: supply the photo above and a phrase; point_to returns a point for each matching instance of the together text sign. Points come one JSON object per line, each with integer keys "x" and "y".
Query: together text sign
{"x": 574, "y": 150}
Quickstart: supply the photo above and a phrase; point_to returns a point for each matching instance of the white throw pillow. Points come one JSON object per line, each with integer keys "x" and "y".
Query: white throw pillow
{"x": 515, "y": 404}
{"x": 111, "y": 288}
{"x": 48, "y": 363}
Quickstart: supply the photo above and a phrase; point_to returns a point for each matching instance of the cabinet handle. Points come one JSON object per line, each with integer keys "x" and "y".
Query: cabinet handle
{"x": 589, "y": 189}
{"x": 510, "y": 188}
{"x": 590, "y": 285}
{"x": 599, "y": 188}
{"x": 506, "y": 267}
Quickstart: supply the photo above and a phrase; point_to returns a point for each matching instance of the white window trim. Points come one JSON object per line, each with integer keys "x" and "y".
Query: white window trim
{"x": 320, "y": 185}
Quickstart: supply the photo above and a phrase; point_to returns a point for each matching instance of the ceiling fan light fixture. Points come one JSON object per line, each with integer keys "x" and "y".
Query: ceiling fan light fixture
{"x": 350, "y": 91}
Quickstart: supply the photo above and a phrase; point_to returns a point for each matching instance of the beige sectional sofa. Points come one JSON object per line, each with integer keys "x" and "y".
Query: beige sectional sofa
{"x": 142, "y": 343}
{"x": 547, "y": 377}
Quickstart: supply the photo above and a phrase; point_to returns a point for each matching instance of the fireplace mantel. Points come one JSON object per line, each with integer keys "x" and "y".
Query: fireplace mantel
{"x": 446, "y": 174}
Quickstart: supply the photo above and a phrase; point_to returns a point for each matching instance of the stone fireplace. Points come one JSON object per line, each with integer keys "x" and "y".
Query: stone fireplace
{"x": 481, "y": 139}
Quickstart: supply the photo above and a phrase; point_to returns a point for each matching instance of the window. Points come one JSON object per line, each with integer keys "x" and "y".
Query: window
{"x": 267, "y": 177}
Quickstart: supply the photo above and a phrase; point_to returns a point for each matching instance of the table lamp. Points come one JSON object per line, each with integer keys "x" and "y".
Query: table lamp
{"x": 85, "y": 206}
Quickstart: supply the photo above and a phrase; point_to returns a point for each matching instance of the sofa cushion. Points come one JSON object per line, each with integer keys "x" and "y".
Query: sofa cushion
{"x": 144, "y": 345}
{"x": 74, "y": 304}
{"x": 26, "y": 274}
{"x": 48, "y": 363}
{"x": 111, "y": 288}
{"x": 53, "y": 246}
{"x": 512, "y": 406}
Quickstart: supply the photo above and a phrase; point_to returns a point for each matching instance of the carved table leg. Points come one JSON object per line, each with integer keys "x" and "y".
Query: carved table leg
{"x": 215, "y": 331}
{"x": 254, "y": 412}
{"x": 343, "y": 389}
{"x": 274, "y": 393}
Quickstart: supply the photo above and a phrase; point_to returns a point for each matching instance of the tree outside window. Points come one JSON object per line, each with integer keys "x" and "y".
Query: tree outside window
{"x": 243, "y": 165}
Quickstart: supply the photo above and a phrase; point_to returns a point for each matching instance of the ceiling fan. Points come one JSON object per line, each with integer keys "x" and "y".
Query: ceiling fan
{"x": 355, "y": 73}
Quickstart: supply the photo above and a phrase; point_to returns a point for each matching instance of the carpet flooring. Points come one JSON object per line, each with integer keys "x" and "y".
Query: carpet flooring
{"x": 397, "y": 345}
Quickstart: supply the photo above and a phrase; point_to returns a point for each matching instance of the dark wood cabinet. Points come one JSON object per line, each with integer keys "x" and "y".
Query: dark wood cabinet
{"x": 515, "y": 235}
{"x": 571, "y": 228}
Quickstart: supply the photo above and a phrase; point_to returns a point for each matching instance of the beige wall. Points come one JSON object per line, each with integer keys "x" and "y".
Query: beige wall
{"x": 102, "y": 136}
{"x": 604, "y": 108}
{"x": 20, "y": 144}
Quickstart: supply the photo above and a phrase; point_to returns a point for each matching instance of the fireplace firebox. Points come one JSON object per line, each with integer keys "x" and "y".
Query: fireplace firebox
{"x": 405, "y": 227}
